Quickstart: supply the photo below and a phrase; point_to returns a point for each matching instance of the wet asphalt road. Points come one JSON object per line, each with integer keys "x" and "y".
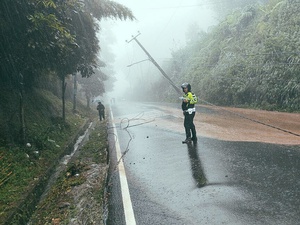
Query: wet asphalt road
{"x": 246, "y": 183}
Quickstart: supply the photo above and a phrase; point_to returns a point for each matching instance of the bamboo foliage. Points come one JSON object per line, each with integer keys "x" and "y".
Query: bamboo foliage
{"x": 252, "y": 58}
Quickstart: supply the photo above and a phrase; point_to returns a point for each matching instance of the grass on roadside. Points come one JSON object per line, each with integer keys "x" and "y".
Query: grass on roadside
{"x": 23, "y": 167}
{"x": 59, "y": 205}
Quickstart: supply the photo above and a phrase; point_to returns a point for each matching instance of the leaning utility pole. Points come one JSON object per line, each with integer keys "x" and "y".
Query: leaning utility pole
{"x": 155, "y": 63}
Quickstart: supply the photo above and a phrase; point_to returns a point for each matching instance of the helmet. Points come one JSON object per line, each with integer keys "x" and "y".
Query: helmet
{"x": 186, "y": 85}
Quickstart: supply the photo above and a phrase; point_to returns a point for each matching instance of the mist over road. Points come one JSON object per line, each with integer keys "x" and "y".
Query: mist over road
{"x": 248, "y": 182}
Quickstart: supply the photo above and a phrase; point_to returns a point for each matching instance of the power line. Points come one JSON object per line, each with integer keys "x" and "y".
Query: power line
{"x": 187, "y": 6}
{"x": 154, "y": 62}
{"x": 249, "y": 65}
{"x": 275, "y": 53}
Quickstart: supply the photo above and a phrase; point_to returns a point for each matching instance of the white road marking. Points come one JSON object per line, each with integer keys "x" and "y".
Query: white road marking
{"x": 127, "y": 204}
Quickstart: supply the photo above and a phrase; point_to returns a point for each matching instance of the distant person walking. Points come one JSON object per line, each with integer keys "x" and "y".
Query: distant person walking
{"x": 101, "y": 110}
{"x": 112, "y": 101}
{"x": 189, "y": 100}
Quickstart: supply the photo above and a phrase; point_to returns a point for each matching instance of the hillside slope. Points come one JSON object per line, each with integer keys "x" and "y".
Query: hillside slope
{"x": 25, "y": 169}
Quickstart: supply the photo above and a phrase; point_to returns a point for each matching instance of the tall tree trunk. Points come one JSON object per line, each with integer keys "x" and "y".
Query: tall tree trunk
{"x": 22, "y": 119}
{"x": 22, "y": 116}
{"x": 64, "y": 84}
{"x": 74, "y": 92}
{"x": 88, "y": 99}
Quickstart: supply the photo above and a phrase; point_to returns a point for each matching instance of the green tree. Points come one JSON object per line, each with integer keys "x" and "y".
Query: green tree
{"x": 39, "y": 36}
{"x": 251, "y": 58}
{"x": 93, "y": 85}
{"x": 225, "y": 7}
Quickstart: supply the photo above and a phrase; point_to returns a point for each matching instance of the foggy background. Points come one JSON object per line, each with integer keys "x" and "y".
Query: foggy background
{"x": 164, "y": 26}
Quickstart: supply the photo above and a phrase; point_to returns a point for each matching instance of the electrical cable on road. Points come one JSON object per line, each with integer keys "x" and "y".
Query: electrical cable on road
{"x": 114, "y": 169}
{"x": 127, "y": 121}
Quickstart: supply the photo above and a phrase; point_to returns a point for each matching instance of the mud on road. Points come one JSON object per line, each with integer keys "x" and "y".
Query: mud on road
{"x": 236, "y": 124}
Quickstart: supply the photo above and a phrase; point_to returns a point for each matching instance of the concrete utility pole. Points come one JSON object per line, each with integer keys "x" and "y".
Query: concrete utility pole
{"x": 155, "y": 63}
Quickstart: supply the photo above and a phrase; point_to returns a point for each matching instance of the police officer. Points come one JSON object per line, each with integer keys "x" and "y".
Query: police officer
{"x": 188, "y": 107}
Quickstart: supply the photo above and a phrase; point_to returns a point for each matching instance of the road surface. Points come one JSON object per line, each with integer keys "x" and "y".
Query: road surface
{"x": 251, "y": 171}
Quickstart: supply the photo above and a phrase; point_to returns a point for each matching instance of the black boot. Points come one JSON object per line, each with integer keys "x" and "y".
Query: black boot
{"x": 186, "y": 141}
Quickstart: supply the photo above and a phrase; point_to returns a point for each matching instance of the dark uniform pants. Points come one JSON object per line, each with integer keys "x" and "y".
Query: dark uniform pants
{"x": 189, "y": 125}
{"x": 101, "y": 115}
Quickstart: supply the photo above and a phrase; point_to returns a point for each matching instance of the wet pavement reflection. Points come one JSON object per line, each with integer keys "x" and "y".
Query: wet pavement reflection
{"x": 196, "y": 166}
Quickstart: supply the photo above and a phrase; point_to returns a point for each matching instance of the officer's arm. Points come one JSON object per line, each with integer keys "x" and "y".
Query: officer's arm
{"x": 192, "y": 98}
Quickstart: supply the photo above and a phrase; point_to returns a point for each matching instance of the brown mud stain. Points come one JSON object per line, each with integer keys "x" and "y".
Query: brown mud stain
{"x": 228, "y": 124}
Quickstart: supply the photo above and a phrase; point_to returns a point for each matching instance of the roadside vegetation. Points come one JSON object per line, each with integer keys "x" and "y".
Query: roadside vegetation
{"x": 24, "y": 169}
{"x": 44, "y": 42}
{"x": 49, "y": 66}
{"x": 250, "y": 59}
{"x": 77, "y": 197}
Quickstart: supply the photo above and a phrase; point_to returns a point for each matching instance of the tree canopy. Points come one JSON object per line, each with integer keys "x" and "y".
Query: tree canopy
{"x": 47, "y": 40}
{"x": 51, "y": 35}
{"x": 251, "y": 58}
